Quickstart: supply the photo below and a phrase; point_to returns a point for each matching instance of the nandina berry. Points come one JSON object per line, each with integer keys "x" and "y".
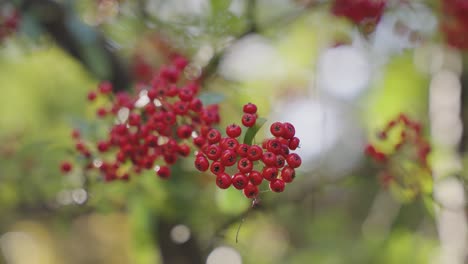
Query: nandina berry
{"x": 249, "y": 120}
{"x": 213, "y": 152}
{"x": 277, "y": 129}
{"x": 242, "y": 150}
{"x": 229, "y": 143}
{"x": 269, "y": 159}
{"x": 92, "y": 95}
{"x": 277, "y": 185}
{"x": 228, "y": 158}
{"x": 244, "y": 165}
{"x": 270, "y": 173}
{"x": 288, "y": 174}
{"x": 201, "y": 163}
{"x": 184, "y": 131}
{"x": 233, "y": 130}
{"x": 255, "y": 177}
{"x": 164, "y": 172}
{"x": 255, "y": 153}
{"x": 223, "y": 180}
{"x": 66, "y": 166}
{"x": 251, "y": 190}
{"x": 213, "y": 136}
{"x": 217, "y": 167}
{"x": 239, "y": 181}
{"x": 250, "y": 108}
{"x": 293, "y": 160}
{"x": 293, "y": 143}
{"x": 289, "y": 131}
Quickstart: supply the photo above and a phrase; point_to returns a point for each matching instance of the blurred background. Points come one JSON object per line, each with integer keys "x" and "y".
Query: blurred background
{"x": 340, "y": 71}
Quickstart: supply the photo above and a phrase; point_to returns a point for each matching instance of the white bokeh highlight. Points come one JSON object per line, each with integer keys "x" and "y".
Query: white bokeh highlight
{"x": 224, "y": 255}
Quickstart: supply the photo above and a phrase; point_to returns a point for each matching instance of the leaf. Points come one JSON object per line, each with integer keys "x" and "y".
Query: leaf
{"x": 252, "y": 131}
{"x": 209, "y": 98}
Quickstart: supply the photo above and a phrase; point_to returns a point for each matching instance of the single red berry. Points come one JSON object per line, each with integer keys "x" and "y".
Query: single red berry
{"x": 101, "y": 112}
{"x": 250, "y": 108}
{"x": 223, "y": 180}
{"x": 75, "y": 134}
{"x": 280, "y": 161}
{"x": 293, "y": 160}
{"x": 277, "y": 185}
{"x": 277, "y": 129}
{"x": 184, "y": 131}
{"x": 183, "y": 150}
{"x": 255, "y": 153}
{"x": 217, "y": 167}
{"x": 103, "y": 146}
{"x": 244, "y": 165}
{"x": 229, "y": 143}
{"x": 242, "y": 150}
{"x": 233, "y": 130}
{"x": 370, "y": 150}
{"x": 181, "y": 108}
{"x": 293, "y": 143}
{"x": 270, "y": 173}
{"x": 164, "y": 172}
{"x": 379, "y": 156}
{"x": 275, "y": 146}
{"x": 213, "y": 136}
{"x": 269, "y": 159}
{"x": 201, "y": 163}
{"x": 249, "y": 120}
{"x": 239, "y": 181}
{"x": 186, "y": 94}
{"x": 255, "y": 177}
{"x": 66, "y": 167}
{"x": 289, "y": 131}
{"x": 134, "y": 119}
{"x": 92, "y": 95}
{"x": 199, "y": 141}
{"x": 105, "y": 87}
{"x": 251, "y": 190}
{"x": 213, "y": 152}
{"x": 228, "y": 157}
{"x": 288, "y": 174}
{"x": 196, "y": 105}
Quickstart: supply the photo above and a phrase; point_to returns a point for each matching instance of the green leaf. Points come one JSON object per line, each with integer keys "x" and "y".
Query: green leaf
{"x": 209, "y": 98}
{"x": 252, "y": 131}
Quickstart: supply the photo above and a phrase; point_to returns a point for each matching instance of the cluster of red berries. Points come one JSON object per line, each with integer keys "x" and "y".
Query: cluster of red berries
{"x": 455, "y": 23}
{"x": 366, "y": 13}
{"x": 9, "y": 22}
{"x": 410, "y": 144}
{"x": 228, "y": 156}
{"x": 153, "y": 127}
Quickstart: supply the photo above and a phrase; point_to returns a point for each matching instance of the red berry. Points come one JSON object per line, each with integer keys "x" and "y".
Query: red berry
{"x": 288, "y": 174}
{"x": 164, "y": 172}
{"x": 233, "y": 130}
{"x": 229, "y": 143}
{"x": 250, "y": 108}
{"x": 199, "y": 141}
{"x": 103, "y": 146}
{"x": 217, "y": 167}
{"x": 379, "y": 156}
{"x": 244, "y": 165}
{"x": 251, "y": 190}
{"x": 293, "y": 160}
{"x": 183, "y": 150}
{"x": 289, "y": 131}
{"x": 180, "y": 108}
{"x": 134, "y": 119}
{"x": 293, "y": 143}
{"x": 66, "y": 167}
{"x": 213, "y": 136}
{"x": 270, "y": 173}
{"x": 370, "y": 150}
{"x": 105, "y": 87}
{"x": 242, "y": 150}
{"x": 196, "y": 105}
{"x": 92, "y": 95}
{"x": 255, "y": 177}
{"x": 279, "y": 161}
{"x": 228, "y": 158}
{"x": 239, "y": 181}
{"x": 274, "y": 145}
{"x": 213, "y": 152}
{"x": 101, "y": 112}
{"x": 184, "y": 131}
{"x": 223, "y": 180}
{"x": 75, "y": 134}
{"x": 269, "y": 159}
{"x": 186, "y": 94}
{"x": 249, "y": 120}
{"x": 277, "y": 129}
{"x": 255, "y": 153}
{"x": 277, "y": 185}
{"x": 201, "y": 163}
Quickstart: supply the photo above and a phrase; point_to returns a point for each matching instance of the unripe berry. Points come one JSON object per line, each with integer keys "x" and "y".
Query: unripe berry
{"x": 277, "y": 185}
{"x": 239, "y": 181}
{"x": 223, "y": 180}
{"x": 250, "y": 191}
{"x": 233, "y": 130}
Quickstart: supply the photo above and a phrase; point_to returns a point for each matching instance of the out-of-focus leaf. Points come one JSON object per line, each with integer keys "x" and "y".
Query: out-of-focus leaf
{"x": 209, "y": 98}
{"x": 252, "y": 131}
{"x": 30, "y": 26}
{"x": 231, "y": 201}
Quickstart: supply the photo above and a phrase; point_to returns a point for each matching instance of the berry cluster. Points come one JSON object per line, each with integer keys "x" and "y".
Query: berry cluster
{"x": 455, "y": 23}
{"x": 365, "y": 13}
{"x": 249, "y": 164}
{"x": 409, "y": 145}
{"x": 9, "y": 22}
{"x": 152, "y": 128}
